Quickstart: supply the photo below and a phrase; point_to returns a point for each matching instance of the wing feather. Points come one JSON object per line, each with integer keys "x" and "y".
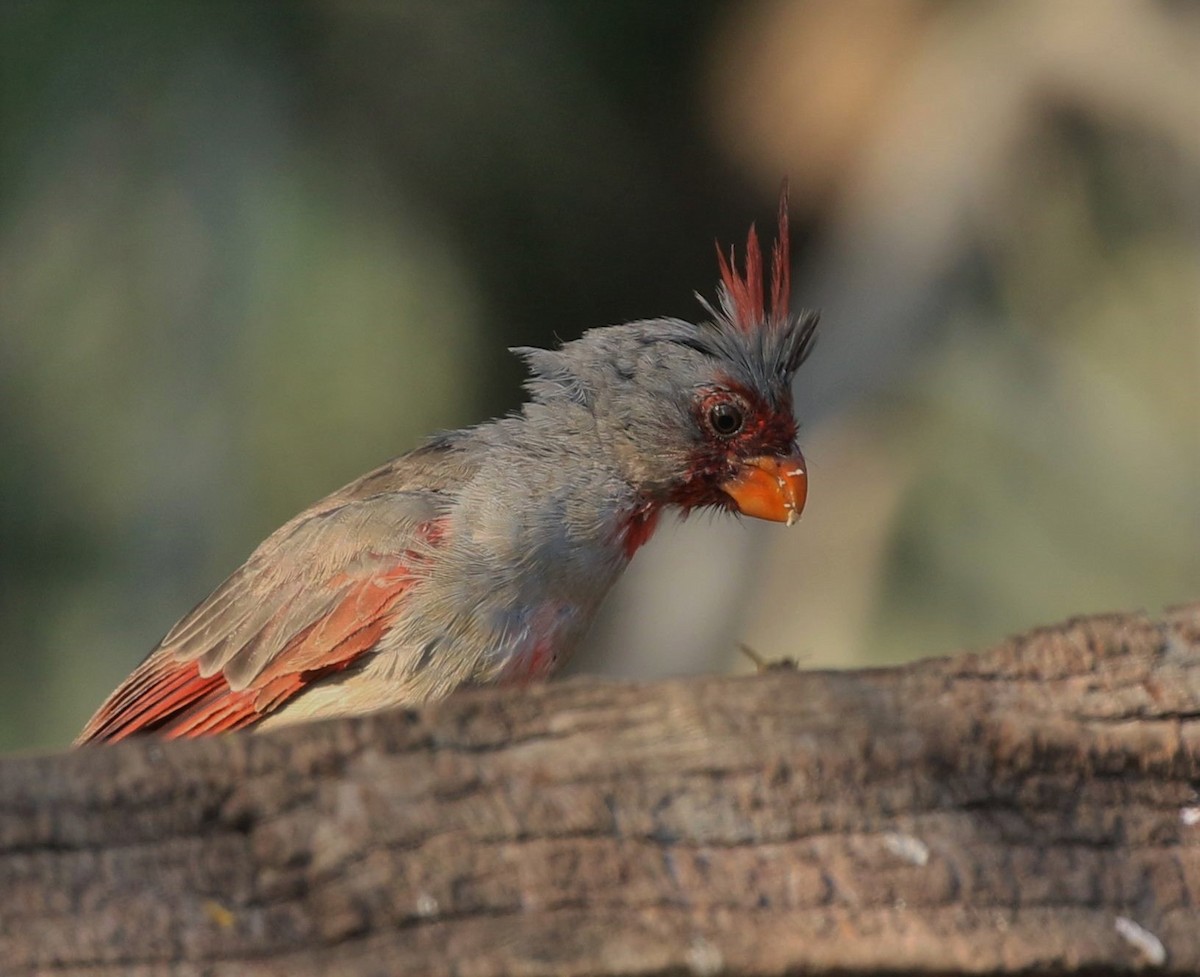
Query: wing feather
{"x": 312, "y": 600}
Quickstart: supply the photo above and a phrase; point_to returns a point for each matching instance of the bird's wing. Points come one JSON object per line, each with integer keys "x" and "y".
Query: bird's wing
{"x": 312, "y": 600}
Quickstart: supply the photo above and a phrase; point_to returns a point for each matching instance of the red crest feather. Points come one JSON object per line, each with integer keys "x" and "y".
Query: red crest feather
{"x": 745, "y": 298}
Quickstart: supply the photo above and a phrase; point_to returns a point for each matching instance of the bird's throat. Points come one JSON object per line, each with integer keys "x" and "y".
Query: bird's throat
{"x": 638, "y": 527}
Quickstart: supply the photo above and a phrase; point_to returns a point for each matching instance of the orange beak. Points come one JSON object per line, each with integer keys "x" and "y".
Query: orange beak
{"x": 769, "y": 488}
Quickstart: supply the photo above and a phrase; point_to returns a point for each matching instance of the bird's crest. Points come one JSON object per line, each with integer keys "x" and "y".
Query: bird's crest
{"x": 743, "y": 295}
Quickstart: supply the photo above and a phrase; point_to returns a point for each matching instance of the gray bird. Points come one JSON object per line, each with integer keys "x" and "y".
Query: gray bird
{"x": 482, "y": 556}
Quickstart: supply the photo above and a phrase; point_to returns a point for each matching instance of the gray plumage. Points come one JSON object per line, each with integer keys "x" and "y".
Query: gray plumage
{"x": 483, "y": 555}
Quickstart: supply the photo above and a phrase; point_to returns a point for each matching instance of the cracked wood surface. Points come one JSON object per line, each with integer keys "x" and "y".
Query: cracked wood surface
{"x": 1028, "y": 809}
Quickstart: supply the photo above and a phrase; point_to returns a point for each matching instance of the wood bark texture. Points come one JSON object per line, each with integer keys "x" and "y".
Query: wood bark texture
{"x": 1031, "y": 809}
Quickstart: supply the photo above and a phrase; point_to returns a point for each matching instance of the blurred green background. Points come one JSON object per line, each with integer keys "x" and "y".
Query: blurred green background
{"x": 248, "y": 251}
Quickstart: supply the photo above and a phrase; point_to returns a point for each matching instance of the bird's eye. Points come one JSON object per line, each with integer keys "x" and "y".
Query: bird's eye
{"x": 726, "y": 419}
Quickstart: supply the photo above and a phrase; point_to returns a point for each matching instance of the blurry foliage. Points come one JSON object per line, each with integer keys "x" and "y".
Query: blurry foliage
{"x": 248, "y": 251}
{"x": 1009, "y": 277}
{"x": 205, "y": 325}
{"x": 1057, "y": 428}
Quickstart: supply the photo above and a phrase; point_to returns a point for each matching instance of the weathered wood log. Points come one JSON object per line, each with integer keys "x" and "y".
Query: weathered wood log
{"x": 1029, "y": 809}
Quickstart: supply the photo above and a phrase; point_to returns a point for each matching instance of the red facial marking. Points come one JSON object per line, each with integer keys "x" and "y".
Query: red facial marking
{"x": 766, "y": 430}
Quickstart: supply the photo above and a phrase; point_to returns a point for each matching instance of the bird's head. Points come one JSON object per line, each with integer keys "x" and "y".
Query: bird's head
{"x": 697, "y": 415}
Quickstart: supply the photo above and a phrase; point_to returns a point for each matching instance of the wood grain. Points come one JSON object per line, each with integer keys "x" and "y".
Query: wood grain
{"x": 1029, "y": 809}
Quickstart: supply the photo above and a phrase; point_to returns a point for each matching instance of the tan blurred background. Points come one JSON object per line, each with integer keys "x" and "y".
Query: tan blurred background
{"x": 248, "y": 251}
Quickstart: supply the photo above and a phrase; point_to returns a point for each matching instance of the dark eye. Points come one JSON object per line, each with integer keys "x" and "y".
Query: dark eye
{"x": 725, "y": 419}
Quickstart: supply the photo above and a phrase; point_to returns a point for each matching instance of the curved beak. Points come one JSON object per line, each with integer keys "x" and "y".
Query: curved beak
{"x": 769, "y": 487}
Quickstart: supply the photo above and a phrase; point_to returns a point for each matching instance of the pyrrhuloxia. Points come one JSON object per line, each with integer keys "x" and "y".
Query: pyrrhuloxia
{"x": 483, "y": 555}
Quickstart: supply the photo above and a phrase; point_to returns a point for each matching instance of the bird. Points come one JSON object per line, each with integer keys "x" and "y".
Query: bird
{"x": 481, "y": 556}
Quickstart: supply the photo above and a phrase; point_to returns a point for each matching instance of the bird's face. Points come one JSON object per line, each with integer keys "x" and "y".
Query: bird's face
{"x": 699, "y": 418}
{"x": 742, "y": 454}
{"x": 697, "y": 415}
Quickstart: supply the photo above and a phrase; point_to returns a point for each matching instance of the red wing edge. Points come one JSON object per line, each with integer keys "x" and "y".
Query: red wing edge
{"x": 172, "y": 699}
